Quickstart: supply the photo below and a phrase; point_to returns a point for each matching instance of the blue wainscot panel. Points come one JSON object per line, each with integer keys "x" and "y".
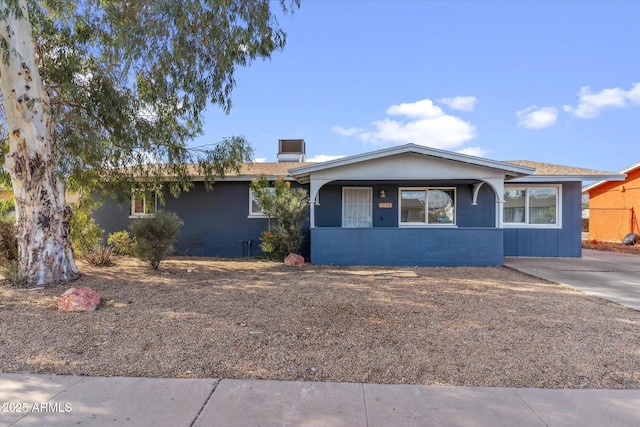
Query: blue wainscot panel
{"x": 447, "y": 247}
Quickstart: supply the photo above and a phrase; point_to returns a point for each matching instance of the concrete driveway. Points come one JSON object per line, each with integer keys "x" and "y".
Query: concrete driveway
{"x": 608, "y": 275}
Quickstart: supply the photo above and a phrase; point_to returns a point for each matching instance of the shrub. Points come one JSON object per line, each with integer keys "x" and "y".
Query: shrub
{"x": 155, "y": 236}
{"x": 121, "y": 242}
{"x": 12, "y": 273}
{"x": 99, "y": 256}
{"x": 288, "y": 208}
{"x": 85, "y": 234}
{"x": 7, "y": 205}
{"x": 8, "y": 241}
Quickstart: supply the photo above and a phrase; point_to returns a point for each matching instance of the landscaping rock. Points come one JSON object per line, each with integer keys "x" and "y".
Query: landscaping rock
{"x": 78, "y": 299}
{"x": 294, "y": 260}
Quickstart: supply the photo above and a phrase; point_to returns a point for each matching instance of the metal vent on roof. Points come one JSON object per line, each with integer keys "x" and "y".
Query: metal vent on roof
{"x": 291, "y": 150}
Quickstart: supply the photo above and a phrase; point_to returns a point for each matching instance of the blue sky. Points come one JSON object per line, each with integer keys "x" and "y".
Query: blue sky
{"x": 548, "y": 81}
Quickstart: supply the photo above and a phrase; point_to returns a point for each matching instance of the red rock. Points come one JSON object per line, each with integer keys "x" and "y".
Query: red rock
{"x": 294, "y": 260}
{"x": 78, "y": 299}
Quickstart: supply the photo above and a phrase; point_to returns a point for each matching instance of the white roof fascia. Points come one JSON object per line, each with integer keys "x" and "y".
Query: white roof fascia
{"x": 566, "y": 178}
{"x": 236, "y": 178}
{"x": 411, "y": 148}
{"x": 602, "y": 181}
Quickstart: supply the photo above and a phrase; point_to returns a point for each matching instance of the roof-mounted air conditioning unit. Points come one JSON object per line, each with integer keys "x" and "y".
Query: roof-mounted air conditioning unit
{"x": 291, "y": 150}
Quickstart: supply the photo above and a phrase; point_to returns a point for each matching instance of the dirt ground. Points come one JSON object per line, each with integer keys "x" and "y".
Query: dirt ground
{"x": 201, "y": 317}
{"x": 611, "y": 247}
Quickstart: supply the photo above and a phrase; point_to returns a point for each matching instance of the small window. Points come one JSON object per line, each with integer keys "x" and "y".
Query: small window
{"x": 357, "y": 207}
{"x": 532, "y": 206}
{"x": 427, "y": 206}
{"x": 255, "y": 210}
{"x": 143, "y": 204}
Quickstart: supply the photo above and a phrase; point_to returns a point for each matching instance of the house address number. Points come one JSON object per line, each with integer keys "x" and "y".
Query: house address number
{"x": 385, "y": 205}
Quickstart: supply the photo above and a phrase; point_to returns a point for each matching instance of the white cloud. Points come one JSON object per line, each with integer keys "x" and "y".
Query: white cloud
{"x": 260, "y": 160}
{"x": 591, "y": 104}
{"x": 462, "y": 103}
{"x": 537, "y": 118}
{"x": 323, "y": 158}
{"x": 473, "y": 151}
{"x": 346, "y": 131}
{"x": 420, "y": 109}
{"x": 423, "y": 123}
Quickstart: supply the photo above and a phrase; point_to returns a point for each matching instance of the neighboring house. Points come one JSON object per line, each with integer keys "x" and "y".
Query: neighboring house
{"x": 406, "y": 205}
{"x": 614, "y": 206}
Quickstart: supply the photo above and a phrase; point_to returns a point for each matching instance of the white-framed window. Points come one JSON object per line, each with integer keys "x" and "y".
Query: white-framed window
{"x": 532, "y": 206}
{"x": 143, "y": 205}
{"x": 427, "y": 206}
{"x": 255, "y": 210}
{"x": 357, "y": 207}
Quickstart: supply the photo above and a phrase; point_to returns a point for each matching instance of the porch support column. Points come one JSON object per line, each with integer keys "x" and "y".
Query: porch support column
{"x": 498, "y": 187}
{"x": 314, "y": 189}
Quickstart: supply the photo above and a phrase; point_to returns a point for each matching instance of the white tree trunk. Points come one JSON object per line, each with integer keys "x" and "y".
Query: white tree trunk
{"x": 45, "y": 253}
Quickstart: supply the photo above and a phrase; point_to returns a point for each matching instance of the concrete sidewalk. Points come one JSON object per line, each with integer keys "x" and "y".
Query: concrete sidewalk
{"x": 39, "y": 400}
{"x": 609, "y": 275}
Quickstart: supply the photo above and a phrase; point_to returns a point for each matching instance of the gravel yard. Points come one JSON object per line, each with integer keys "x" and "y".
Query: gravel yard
{"x": 255, "y": 319}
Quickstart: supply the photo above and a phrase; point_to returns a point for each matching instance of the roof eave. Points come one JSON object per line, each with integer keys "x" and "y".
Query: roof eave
{"x": 603, "y": 181}
{"x": 566, "y": 178}
{"x": 301, "y": 173}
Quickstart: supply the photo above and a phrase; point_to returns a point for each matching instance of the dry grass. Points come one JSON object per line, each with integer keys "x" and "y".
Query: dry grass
{"x": 611, "y": 247}
{"x": 252, "y": 319}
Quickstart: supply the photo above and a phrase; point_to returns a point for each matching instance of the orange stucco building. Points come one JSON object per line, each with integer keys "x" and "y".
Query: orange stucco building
{"x": 614, "y": 207}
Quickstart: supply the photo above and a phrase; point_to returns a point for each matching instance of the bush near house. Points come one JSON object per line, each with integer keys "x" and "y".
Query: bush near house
{"x": 288, "y": 208}
{"x": 155, "y": 237}
{"x": 121, "y": 243}
{"x": 8, "y": 241}
{"x": 86, "y": 236}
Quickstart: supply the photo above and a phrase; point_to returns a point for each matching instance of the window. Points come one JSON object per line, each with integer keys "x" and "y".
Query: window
{"x": 532, "y": 206}
{"x": 357, "y": 207}
{"x": 255, "y": 210}
{"x": 143, "y": 204}
{"x": 433, "y": 206}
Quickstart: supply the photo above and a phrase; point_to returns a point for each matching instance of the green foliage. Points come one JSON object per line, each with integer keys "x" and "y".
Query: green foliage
{"x": 129, "y": 81}
{"x": 288, "y": 207}
{"x": 155, "y": 236}
{"x": 8, "y": 241}
{"x": 13, "y": 274}
{"x": 121, "y": 243}
{"x": 85, "y": 234}
{"x": 7, "y": 205}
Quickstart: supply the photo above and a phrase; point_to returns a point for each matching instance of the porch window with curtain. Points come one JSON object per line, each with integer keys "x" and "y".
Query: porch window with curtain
{"x": 514, "y": 206}
{"x": 427, "y": 206}
{"x": 357, "y": 207}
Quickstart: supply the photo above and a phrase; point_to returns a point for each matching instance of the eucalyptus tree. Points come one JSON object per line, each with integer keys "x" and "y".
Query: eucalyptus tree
{"x": 94, "y": 90}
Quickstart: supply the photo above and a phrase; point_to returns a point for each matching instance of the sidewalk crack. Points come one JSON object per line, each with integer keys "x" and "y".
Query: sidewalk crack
{"x": 530, "y": 408}
{"x": 364, "y": 398}
{"x": 206, "y": 402}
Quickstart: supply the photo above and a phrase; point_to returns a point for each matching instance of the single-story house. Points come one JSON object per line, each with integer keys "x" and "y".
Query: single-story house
{"x": 614, "y": 206}
{"x": 405, "y": 205}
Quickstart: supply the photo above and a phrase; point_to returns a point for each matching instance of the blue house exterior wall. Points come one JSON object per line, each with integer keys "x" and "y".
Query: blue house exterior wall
{"x": 446, "y": 247}
{"x": 216, "y": 222}
{"x": 545, "y": 242}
